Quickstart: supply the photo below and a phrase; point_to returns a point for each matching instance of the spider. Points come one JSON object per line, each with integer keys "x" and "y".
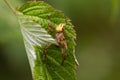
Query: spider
{"x": 60, "y": 39}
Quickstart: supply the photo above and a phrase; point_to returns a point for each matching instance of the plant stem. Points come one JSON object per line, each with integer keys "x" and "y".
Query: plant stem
{"x": 11, "y": 7}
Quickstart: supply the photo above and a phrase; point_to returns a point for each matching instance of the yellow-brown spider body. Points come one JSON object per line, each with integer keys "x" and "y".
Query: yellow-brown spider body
{"x": 60, "y": 39}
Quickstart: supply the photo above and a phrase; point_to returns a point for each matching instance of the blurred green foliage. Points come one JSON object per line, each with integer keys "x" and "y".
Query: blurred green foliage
{"x": 97, "y": 23}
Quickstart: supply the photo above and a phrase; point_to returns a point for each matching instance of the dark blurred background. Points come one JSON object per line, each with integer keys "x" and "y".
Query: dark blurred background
{"x": 97, "y": 23}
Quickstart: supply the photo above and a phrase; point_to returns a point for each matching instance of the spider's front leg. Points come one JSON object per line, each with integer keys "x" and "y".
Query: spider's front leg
{"x": 45, "y": 52}
{"x": 49, "y": 44}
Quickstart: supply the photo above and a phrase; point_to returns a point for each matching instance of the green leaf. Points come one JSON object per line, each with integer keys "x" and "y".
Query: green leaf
{"x": 34, "y": 19}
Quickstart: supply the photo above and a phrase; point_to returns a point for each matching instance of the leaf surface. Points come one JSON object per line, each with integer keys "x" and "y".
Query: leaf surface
{"x": 34, "y": 19}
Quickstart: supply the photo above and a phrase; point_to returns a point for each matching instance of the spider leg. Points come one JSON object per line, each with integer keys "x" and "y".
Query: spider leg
{"x": 64, "y": 51}
{"x": 64, "y": 55}
{"x": 50, "y": 26}
{"x": 45, "y": 51}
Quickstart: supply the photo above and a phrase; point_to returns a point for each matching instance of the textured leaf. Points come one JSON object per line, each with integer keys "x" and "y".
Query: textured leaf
{"x": 34, "y": 19}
